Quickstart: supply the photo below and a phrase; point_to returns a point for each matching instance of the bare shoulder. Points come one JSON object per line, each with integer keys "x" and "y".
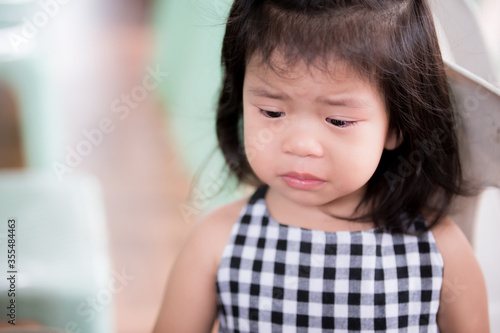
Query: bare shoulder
{"x": 217, "y": 226}
{"x": 453, "y": 246}
{"x": 193, "y": 274}
{"x": 449, "y": 236}
{"x": 223, "y": 215}
{"x": 463, "y": 302}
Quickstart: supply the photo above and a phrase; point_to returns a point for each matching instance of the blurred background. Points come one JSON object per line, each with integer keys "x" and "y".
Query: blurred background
{"x": 108, "y": 150}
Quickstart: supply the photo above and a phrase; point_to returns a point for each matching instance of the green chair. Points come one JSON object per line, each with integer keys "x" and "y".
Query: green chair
{"x": 63, "y": 278}
{"x": 23, "y": 71}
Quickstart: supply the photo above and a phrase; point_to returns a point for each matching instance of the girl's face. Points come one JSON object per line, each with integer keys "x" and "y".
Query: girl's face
{"x": 315, "y": 138}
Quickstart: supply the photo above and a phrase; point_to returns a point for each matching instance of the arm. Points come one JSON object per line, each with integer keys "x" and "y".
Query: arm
{"x": 463, "y": 302}
{"x": 189, "y": 303}
{"x": 190, "y": 300}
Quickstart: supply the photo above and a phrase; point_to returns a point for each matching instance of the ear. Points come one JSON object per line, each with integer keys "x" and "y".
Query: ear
{"x": 393, "y": 140}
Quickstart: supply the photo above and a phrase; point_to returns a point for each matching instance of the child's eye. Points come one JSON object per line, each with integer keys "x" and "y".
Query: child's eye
{"x": 272, "y": 114}
{"x": 340, "y": 123}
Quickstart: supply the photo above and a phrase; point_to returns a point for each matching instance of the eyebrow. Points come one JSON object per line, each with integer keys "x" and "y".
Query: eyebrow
{"x": 261, "y": 92}
{"x": 346, "y": 101}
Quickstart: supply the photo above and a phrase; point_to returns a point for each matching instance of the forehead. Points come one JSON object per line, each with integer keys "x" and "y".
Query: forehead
{"x": 278, "y": 71}
{"x": 280, "y": 67}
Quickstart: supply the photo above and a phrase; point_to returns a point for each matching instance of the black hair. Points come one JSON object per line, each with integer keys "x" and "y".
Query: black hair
{"x": 393, "y": 44}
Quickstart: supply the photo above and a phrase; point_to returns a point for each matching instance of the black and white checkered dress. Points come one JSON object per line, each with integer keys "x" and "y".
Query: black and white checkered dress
{"x": 278, "y": 278}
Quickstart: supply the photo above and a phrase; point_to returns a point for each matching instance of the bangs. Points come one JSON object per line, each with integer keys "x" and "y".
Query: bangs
{"x": 321, "y": 37}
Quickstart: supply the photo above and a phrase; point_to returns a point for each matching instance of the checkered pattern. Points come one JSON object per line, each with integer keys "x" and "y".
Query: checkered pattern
{"x": 278, "y": 278}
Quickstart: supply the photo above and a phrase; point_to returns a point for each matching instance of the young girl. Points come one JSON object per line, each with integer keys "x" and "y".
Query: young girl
{"x": 339, "y": 112}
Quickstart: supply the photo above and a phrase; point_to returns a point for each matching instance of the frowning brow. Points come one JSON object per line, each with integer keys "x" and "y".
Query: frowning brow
{"x": 261, "y": 92}
{"x": 343, "y": 101}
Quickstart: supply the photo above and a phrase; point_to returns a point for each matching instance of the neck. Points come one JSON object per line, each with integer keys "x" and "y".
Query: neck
{"x": 328, "y": 216}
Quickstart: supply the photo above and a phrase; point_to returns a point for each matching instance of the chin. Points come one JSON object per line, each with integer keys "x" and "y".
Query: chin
{"x": 305, "y": 198}
{"x": 327, "y": 195}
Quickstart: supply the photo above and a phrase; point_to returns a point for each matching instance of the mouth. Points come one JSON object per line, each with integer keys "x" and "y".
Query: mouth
{"x": 302, "y": 181}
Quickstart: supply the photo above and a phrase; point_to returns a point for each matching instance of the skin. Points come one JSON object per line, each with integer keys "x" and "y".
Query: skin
{"x": 463, "y": 303}
{"x": 299, "y": 134}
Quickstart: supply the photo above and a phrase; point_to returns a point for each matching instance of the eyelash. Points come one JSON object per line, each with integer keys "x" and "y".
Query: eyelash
{"x": 340, "y": 123}
{"x": 271, "y": 114}
{"x": 334, "y": 122}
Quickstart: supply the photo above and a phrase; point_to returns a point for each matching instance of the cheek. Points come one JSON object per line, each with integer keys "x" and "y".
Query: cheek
{"x": 260, "y": 136}
{"x": 366, "y": 158}
{"x": 255, "y": 140}
{"x": 259, "y": 144}
{"x": 359, "y": 155}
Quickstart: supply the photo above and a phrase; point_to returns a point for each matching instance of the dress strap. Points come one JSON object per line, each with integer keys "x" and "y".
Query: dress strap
{"x": 260, "y": 193}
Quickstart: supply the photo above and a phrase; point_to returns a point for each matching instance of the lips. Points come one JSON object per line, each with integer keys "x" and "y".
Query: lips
{"x": 302, "y": 181}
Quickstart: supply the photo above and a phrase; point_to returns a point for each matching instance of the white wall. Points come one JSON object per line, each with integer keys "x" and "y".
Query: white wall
{"x": 487, "y": 248}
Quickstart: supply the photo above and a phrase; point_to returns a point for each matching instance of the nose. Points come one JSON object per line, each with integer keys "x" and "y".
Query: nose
{"x": 303, "y": 143}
